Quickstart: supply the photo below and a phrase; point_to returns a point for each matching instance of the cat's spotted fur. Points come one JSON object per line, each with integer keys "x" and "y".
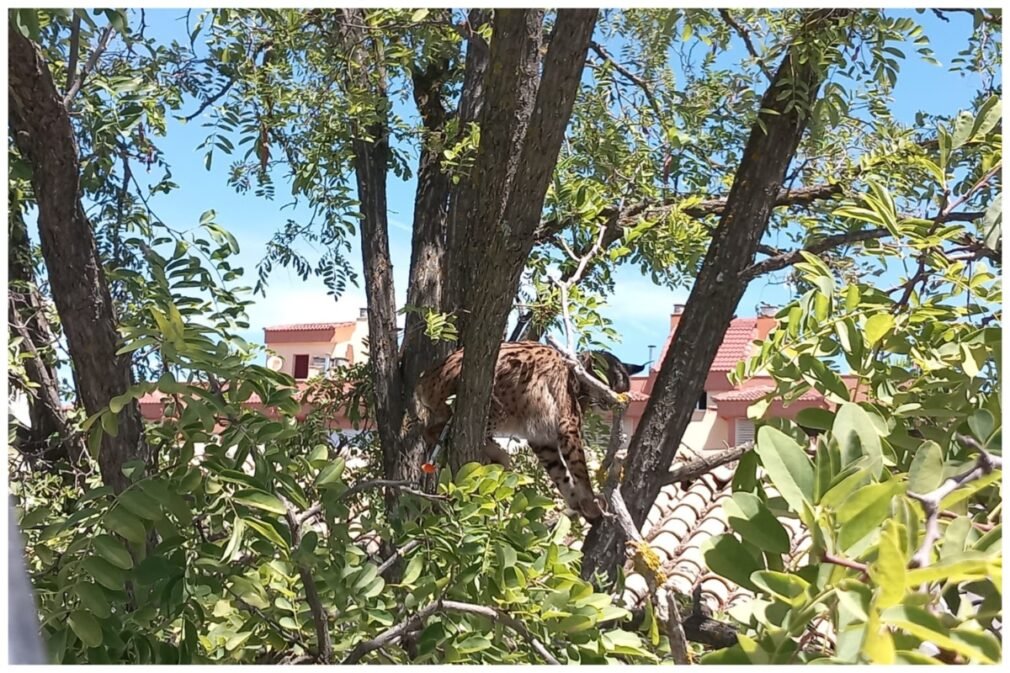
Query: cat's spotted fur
{"x": 537, "y": 397}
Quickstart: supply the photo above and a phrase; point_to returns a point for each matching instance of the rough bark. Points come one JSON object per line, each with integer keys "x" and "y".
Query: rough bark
{"x": 49, "y": 436}
{"x": 371, "y": 164}
{"x": 45, "y": 137}
{"x": 521, "y": 111}
{"x": 712, "y": 302}
{"x": 463, "y": 195}
{"x": 428, "y": 259}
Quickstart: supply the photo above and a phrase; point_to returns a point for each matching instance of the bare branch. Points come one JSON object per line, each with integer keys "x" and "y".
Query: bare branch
{"x": 75, "y": 87}
{"x": 675, "y": 631}
{"x": 414, "y": 621}
{"x": 402, "y": 485}
{"x": 391, "y": 634}
{"x": 745, "y": 36}
{"x": 784, "y": 259}
{"x": 844, "y": 562}
{"x": 398, "y": 553}
{"x": 75, "y": 49}
{"x": 319, "y": 619}
{"x": 704, "y": 464}
{"x": 507, "y": 620}
{"x": 985, "y": 464}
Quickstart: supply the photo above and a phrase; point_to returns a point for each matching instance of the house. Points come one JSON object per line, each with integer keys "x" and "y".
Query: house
{"x": 720, "y": 418}
{"x": 310, "y": 349}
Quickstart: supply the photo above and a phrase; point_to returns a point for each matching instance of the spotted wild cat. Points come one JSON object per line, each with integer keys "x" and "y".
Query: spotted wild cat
{"x": 537, "y": 397}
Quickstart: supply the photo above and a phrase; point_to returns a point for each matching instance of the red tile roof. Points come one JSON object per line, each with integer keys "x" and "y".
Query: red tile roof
{"x": 734, "y": 348}
{"x": 735, "y": 345}
{"x": 308, "y": 326}
{"x": 757, "y": 392}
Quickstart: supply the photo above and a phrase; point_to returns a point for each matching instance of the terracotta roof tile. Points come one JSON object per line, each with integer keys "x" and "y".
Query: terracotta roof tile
{"x": 307, "y": 326}
{"x": 677, "y": 527}
{"x": 735, "y": 345}
{"x": 757, "y": 392}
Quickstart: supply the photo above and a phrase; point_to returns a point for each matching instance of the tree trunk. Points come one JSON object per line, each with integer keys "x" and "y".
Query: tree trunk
{"x": 463, "y": 195}
{"x": 371, "y": 164}
{"x": 714, "y": 297}
{"x": 523, "y": 112}
{"x": 428, "y": 260}
{"x": 45, "y": 137}
{"x": 50, "y": 436}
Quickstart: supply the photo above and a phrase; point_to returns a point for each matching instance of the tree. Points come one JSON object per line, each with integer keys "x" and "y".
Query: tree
{"x": 263, "y": 545}
{"x": 43, "y": 133}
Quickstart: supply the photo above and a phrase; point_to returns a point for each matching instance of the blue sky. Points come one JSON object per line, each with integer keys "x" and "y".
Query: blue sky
{"x": 639, "y": 309}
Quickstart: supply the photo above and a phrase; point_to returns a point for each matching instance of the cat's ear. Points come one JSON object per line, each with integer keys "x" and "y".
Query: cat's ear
{"x": 633, "y": 369}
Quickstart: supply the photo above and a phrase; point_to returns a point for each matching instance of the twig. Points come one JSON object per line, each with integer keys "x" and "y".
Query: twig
{"x": 319, "y": 619}
{"x": 75, "y": 49}
{"x": 675, "y": 631}
{"x": 390, "y": 634}
{"x": 75, "y": 87}
{"x": 992, "y": 172}
{"x": 507, "y": 620}
{"x": 398, "y": 553}
{"x": 747, "y": 42}
{"x": 211, "y": 100}
{"x": 844, "y": 562}
{"x": 630, "y": 76}
{"x": 985, "y": 464}
{"x": 704, "y": 464}
{"x": 403, "y": 485}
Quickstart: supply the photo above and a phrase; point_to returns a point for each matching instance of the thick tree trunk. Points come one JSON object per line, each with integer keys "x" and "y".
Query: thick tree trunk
{"x": 713, "y": 300}
{"x": 428, "y": 260}
{"x": 371, "y": 164}
{"x": 462, "y": 196}
{"x": 45, "y": 137}
{"x": 522, "y": 113}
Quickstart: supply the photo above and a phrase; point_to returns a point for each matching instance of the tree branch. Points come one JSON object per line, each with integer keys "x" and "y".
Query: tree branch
{"x": 784, "y": 259}
{"x": 75, "y": 87}
{"x": 602, "y": 52}
{"x": 319, "y": 619}
{"x": 507, "y": 620}
{"x": 705, "y": 464}
{"x": 985, "y": 464}
{"x": 745, "y": 36}
{"x": 211, "y": 100}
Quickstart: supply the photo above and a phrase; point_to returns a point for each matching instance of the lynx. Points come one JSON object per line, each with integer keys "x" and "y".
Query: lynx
{"x": 537, "y": 397}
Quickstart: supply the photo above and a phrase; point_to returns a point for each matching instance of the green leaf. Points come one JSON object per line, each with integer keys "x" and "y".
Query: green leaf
{"x": 268, "y": 531}
{"x": 93, "y": 599}
{"x": 86, "y": 627}
{"x": 926, "y": 470}
{"x": 260, "y": 500}
{"x": 815, "y": 418}
{"x": 120, "y": 521}
{"x": 419, "y": 15}
{"x": 922, "y": 624}
{"x": 877, "y": 327}
{"x": 413, "y": 570}
{"x": 104, "y": 573}
{"x": 110, "y": 549}
{"x": 726, "y": 556}
{"x": 331, "y": 472}
{"x": 755, "y": 523}
{"x": 141, "y": 504}
{"x": 787, "y": 465}
{"x": 982, "y": 425}
{"x": 791, "y": 589}
{"x": 989, "y": 114}
{"x": 888, "y": 571}
{"x": 853, "y": 430}
{"x": 864, "y": 511}
{"x": 955, "y": 570}
{"x": 235, "y": 541}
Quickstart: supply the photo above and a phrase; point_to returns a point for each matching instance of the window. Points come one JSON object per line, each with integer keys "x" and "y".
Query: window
{"x": 301, "y": 366}
{"x": 744, "y": 431}
{"x": 320, "y": 363}
{"x": 702, "y": 401}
